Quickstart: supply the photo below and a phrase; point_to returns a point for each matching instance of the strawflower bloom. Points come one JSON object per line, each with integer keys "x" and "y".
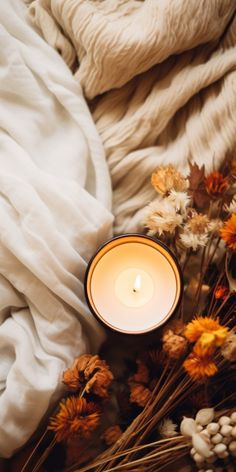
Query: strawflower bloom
{"x": 89, "y": 373}
{"x": 161, "y": 217}
{"x": 167, "y": 428}
{"x": 216, "y": 184}
{"x": 221, "y": 292}
{"x": 193, "y": 241}
{"x": 207, "y": 332}
{"x": 228, "y": 232}
{"x": 167, "y": 178}
{"x": 231, "y": 208}
{"x": 75, "y": 416}
{"x": 197, "y": 223}
{"x": 199, "y": 365}
{"x": 180, "y": 200}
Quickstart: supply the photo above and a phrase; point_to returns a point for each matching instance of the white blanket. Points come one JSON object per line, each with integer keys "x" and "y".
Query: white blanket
{"x": 54, "y": 211}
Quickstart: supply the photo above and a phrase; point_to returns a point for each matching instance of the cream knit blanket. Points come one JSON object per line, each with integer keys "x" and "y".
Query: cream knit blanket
{"x": 167, "y": 68}
{"x": 160, "y": 79}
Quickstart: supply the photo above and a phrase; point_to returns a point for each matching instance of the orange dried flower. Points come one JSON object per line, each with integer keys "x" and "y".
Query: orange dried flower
{"x": 75, "y": 416}
{"x": 208, "y": 332}
{"x": 89, "y": 373}
{"x": 233, "y": 167}
{"x": 174, "y": 345}
{"x": 112, "y": 434}
{"x": 228, "y": 232}
{"x": 216, "y": 184}
{"x": 199, "y": 364}
{"x": 142, "y": 374}
{"x": 166, "y": 178}
{"x": 221, "y": 292}
{"x": 139, "y": 394}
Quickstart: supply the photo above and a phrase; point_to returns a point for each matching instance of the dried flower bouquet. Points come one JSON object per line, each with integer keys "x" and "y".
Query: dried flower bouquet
{"x": 176, "y": 398}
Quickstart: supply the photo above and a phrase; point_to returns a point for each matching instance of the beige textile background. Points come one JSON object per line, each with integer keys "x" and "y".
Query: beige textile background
{"x": 161, "y": 81}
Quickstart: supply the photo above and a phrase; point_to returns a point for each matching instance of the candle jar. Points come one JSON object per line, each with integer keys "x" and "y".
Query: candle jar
{"x": 133, "y": 284}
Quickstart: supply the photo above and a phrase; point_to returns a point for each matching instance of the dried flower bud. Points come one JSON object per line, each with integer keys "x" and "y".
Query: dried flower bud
{"x": 217, "y": 438}
{"x": 205, "y": 416}
{"x": 221, "y": 292}
{"x": 142, "y": 374}
{"x": 174, "y": 346}
{"x": 188, "y": 427}
{"x": 90, "y": 373}
{"x": 233, "y": 417}
{"x": 139, "y": 394}
{"x": 201, "y": 444}
{"x": 112, "y": 434}
{"x": 224, "y": 420}
{"x": 228, "y": 349}
{"x": 226, "y": 430}
{"x": 213, "y": 428}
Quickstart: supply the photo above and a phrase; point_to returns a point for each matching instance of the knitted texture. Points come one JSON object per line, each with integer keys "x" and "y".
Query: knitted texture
{"x": 168, "y": 72}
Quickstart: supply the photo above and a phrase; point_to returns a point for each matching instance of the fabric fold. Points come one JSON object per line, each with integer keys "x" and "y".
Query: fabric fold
{"x": 52, "y": 170}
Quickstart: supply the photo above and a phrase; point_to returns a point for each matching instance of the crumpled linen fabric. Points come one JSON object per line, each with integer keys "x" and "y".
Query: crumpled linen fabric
{"x": 160, "y": 79}
{"x": 55, "y": 199}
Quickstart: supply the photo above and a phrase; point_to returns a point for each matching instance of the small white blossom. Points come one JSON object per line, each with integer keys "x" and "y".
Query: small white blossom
{"x": 231, "y": 208}
{"x": 180, "y": 200}
{"x": 215, "y": 225}
{"x": 161, "y": 216}
{"x": 167, "y": 428}
{"x": 194, "y": 241}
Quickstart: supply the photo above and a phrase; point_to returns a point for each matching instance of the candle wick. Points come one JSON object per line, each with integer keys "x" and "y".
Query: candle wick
{"x": 137, "y": 284}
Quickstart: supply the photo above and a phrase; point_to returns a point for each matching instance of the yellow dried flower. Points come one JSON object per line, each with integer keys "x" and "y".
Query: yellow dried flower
{"x": 207, "y": 332}
{"x": 139, "y": 394}
{"x": 199, "y": 365}
{"x": 90, "y": 373}
{"x": 75, "y": 416}
{"x": 228, "y": 349}
{"x": 112, "y": 434}
{"x": 167, "y": 178}
{"x": 228, "y": 232}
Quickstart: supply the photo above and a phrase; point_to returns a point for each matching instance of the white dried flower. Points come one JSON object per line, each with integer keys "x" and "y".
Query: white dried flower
{"x": 205, "y": 416}
{"x": 167, "y": 428}
{"x": 231, "y": 208}
{"x": 215, "y": 225}
{"x": 193, "y": 241}
{"x": 161, "y": 217}
{"x": 180, "y": 200}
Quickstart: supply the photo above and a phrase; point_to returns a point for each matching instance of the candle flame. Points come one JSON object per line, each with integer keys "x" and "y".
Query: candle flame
{"x": 137, "y": 283}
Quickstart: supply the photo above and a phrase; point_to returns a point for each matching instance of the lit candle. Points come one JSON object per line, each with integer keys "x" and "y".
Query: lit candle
{"x": 133, "y": 284}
